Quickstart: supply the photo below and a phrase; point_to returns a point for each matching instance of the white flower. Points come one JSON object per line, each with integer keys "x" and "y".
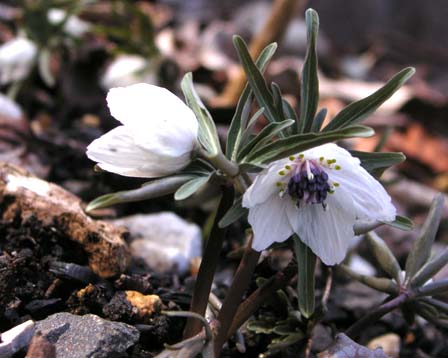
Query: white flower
{"x": 158, "y": 134}
{"x": 74, "y": 26}
{"x": 17, "y": 58}
{"x": 318, "y": 194}
{"x": 9, "y": 108}
{"x": 127, "y": 70}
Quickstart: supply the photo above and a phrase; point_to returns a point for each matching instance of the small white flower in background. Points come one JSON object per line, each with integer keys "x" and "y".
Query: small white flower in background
{"x": 317, "y": 194}
{"x": 9, "y": 108}
{"x": 158, "y": 134}
{"x": 74, "y": 26}
{"x": 17, "y": 58}
{"x": 127, "y": 70}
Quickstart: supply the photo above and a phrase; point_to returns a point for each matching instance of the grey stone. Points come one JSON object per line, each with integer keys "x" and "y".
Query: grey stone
{"x": 164, "y": 241}
{"x": 87, "y": 336}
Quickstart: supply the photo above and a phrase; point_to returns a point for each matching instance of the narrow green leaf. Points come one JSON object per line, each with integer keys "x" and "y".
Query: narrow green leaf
{"x": 256, "y": 80}
{"x": 150, "y": 190}
{"x": 440, "y": 305}
{"x": 238, "y": 123}
{"x": 306, "y": 264}
{"x": 45, "y": 73}
{"x": 401, "y": 222}
{"x": 290, "y": 113}
{"x": 233, "y": 214}
{"x": 384, "y": 256}
{"x": 376, "y": 162}
{"x": 421, "y": 249}
{"x": 267, "y": 133}
{"x": 357, "y": 111}
{"x": 430, "y": 269}
{"x": 319, "y": 120}
{"x": 191, "y": 187}
{"x": 208, "y": 136}
{"x": 433, "y": 289}
{"x": 249, "y": 130}
{"x": 300, "y": 142}
{"x": 309, "y": 89}
{"x": 378, "y": 283}
{"x": 278, "y": 100}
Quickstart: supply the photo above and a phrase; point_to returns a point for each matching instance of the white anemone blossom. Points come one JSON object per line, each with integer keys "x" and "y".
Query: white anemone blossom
{"x": 17, "y": 57}
{"x": 318, "y": 194}
{"x": 156, "y": 138}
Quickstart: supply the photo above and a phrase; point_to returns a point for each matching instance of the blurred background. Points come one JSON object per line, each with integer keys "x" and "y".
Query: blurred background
{"x": 59, "y": 58}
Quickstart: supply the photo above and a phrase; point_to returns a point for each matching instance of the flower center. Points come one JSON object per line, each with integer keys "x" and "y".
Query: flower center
{"x": 309, "y": 184}
{"x": 308, "y": 181}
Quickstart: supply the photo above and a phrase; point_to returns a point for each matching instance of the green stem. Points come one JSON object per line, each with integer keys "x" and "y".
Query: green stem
{"x": 306, "y": 264}
{"x": 235, "y": 294}
{"x": 208, "y": 265}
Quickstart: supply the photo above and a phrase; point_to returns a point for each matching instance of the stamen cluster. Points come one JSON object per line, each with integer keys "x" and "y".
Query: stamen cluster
{"x": 309, "y": 185}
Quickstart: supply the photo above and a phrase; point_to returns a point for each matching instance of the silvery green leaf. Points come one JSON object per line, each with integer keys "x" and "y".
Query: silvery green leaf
{"x": 376, "y": 162}
{"x": 440, "y": 305}
{"x": 306, "y": 264}
{"x": 278, "y": 100}
{"x": 239, "y": 120}
{"x": 357, "y": 111}
{"x": 297, "y": 143}
{"x": 248, "y": 131}
{"x": 319, "y": 120}
{"x": 432, "y": 289}
{"x": 256, "y": 80}
{"x": 401, "y": 222}
{"x": 208, "y": 136}
{"x": 251, "y": 168}
{"x": 279, "y": 344}
{"x": 289, "y": 112}
{"x": 430, "y": 269}
{"x": 309, "y": 89}
{"x": 261, "y": 326}
{"x": 378, "y": 283}
{"x": 362, "y": 227}
{"x": 191, "y": 187}
{"x": 429, "y": 315}
{"x": 421, "y": 249}
{"x": 233, "y": 214}
{"x": 384, "y": 256}
{"x": 150, "y": 190}
{"x": 267, "y": 133}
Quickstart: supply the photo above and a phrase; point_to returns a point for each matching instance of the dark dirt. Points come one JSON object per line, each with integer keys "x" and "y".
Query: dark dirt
{"x": 43, "y": 272}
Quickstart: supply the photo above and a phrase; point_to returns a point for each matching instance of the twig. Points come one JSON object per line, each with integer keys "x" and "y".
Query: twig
{"x": 235, "y": 294}
{"x": 208, "y": 266}
{"x": 281, "y": 13}
{"x": 372, "y": 317}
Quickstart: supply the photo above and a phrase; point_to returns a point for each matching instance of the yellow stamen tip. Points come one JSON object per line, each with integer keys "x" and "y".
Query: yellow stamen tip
{"x": 337, "y": 167}
{"x": 288, "y": 167}
{"x": 281, "y": 172}
{"x": 301, "y": 156}
{"x": 292, "y": 158}
{"x": 279, "y": 184}
{"x": 321, "y": 159}
{"x": 336, "y": 184}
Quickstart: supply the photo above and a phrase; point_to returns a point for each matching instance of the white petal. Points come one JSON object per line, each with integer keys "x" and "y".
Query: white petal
{"x": 326, "y": 232}
{"x": 269, "y": 222}
{"x": 158, "y": 119}
{"x": 370, "y": 199}
{"x": 117, "y": 152}
{"x": 16, "y": 59}
{"x": 265, "y": 184}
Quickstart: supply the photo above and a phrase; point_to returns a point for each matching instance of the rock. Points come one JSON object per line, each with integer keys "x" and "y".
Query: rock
{"x": 343, "y": 346}
{"x": 165, "y": 242}
{"x": 145, "y": 305}
{"x": 390, "y": 343}
{"x": 16, "y": 339}
{"x": 21, "y": 192}
{"x": 87, "y": 336}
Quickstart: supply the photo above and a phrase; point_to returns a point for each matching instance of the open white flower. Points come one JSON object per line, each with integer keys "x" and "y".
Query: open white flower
{"x": 318, "y": 194}
{"x": 73, "y": 26}
{"x": 158, "y": 134}
{"x": 17, "y": 58}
